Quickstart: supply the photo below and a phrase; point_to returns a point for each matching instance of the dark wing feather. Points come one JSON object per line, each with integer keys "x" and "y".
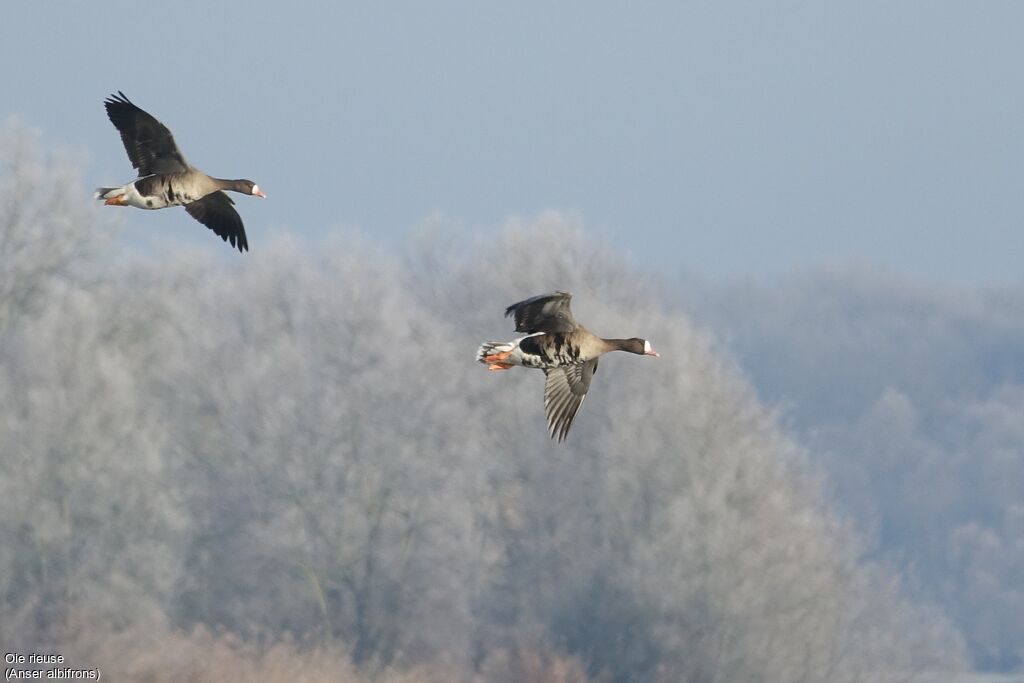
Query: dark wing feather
{"x": 548, "y": 313}
{"x": 564, "y": 391}
{"x": 149, "y": 143}
{"x": 215, "y": 212}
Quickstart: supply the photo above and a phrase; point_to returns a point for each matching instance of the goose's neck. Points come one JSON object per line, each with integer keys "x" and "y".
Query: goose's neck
{"x": 233, "y": 185}
{"x": 632, "y": 345}
{"x": 615, "y": 344}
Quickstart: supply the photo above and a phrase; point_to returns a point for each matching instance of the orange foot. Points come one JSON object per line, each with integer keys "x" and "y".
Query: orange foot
{"x": 115, "y": 201}
{"x": 500, "y": 366}
{"x": 497, "y": 357}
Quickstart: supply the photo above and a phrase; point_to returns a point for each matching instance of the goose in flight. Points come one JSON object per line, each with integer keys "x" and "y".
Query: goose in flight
{"x": 166, "y": 179}
{"x": 565, "y": 350}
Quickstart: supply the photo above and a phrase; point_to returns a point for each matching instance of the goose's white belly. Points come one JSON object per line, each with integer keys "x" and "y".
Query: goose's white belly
{"x": 133, "y": 198}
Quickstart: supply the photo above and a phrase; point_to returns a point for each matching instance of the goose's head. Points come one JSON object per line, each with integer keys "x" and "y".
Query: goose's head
{"x": 249, "y": 187}
{"x": 641, "y": 347}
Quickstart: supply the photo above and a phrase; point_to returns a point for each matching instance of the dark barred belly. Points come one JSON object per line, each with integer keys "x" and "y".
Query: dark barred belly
{"x": 548, "y": 351}
{"x": 163, "y": 190}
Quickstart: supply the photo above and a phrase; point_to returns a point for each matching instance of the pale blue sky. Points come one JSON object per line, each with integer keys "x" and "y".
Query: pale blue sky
{"x": 728, "y": 139}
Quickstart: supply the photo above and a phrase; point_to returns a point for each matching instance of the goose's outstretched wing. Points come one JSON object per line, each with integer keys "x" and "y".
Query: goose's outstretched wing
{"x": 548, "y": 313}
{"x": 216, "y": 212}
{"x": 564, "y": 391}
{"x": 149, "y": 143}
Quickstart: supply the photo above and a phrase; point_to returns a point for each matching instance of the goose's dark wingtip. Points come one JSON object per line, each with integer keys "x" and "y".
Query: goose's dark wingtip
{"x": 239, "y": 243}
{"x": 119, "y": 98}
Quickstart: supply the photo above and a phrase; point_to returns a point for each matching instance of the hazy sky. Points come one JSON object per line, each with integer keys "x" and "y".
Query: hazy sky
{"x": 726, "y": 139}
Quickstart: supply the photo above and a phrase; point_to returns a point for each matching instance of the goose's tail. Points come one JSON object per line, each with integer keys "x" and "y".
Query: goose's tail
{"x": 499, "y": 355}
{"x": 113, "y": 195}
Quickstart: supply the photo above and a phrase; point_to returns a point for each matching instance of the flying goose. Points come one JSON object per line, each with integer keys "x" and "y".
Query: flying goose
{"x": 166, "y": 179}
{"x": 565, "y": 350}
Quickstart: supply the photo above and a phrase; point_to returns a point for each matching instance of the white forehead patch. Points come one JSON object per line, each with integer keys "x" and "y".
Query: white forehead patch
{"x": 647, "y": 346}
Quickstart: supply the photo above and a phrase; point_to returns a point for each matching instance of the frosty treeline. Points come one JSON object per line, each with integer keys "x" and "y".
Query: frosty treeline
{"x": 297, "y": 447}
{"x": 911, "y": 395}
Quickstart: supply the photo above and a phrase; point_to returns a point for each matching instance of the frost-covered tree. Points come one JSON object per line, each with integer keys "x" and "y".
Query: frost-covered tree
{"x": 87, "y": 525}
{"x": 45, "y": 227}
{"x": 318, "y": 449}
